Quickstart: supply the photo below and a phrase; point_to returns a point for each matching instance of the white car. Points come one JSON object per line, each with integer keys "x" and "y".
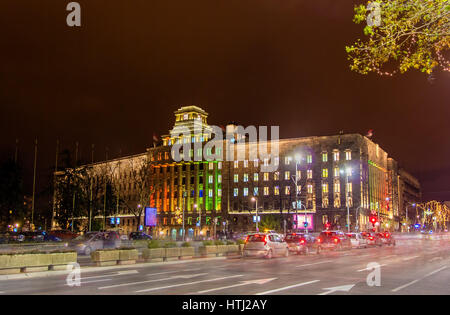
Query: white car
{"x": 357, "y": 240}
{"x": 265, "y": 245}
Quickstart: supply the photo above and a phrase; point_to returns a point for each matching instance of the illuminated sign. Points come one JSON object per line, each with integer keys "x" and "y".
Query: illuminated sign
{"x": 150, "y": 216}
{"x": 303, "y": 221}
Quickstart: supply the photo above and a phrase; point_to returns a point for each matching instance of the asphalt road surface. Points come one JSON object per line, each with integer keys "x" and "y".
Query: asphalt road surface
{"x": 414, "y": 267}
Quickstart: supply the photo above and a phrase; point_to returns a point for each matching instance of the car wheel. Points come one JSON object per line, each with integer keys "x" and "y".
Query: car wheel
{"x": 87, "y": 251}
{"x": 269, "y": 254}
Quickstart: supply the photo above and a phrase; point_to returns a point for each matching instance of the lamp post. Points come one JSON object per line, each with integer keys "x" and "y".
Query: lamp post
{"x": 199, "y": 220}
{"x": 256, "y": 205}
{"x": 348, "y": 173}
{"x": 407, "y": 225}
{"x": 295, "y": 180}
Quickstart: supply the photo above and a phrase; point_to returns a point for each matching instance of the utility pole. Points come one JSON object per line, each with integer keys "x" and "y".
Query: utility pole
{"x": 75, "y": 174}
{"x": 34, "y": 185}
{"x": 54, "y": 185}
{"x": 92, "y": 184}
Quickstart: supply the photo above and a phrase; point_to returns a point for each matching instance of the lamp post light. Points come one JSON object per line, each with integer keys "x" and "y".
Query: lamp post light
{"x": 256, "y": 206}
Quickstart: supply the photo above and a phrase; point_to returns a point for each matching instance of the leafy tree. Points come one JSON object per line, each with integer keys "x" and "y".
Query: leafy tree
{"x": 270, "y": 222}
{"x": 12, "y": 208}
{"x": 403, "y": 35}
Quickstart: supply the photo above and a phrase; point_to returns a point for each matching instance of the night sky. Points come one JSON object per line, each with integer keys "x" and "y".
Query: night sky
{"x": 117, "y": 79}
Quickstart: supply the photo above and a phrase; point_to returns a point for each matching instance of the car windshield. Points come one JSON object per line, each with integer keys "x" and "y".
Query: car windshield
{"x": 293, "y": 238}
{"x": 257, "y": 238}
{"x": 328, "y": 234}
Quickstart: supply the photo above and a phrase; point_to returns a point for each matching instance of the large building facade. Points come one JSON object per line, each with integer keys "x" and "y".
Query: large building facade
{"x": 317, "y": 181}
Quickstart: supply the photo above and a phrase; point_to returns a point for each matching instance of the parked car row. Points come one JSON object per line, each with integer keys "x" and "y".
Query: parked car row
{"x": 272, "y": 244}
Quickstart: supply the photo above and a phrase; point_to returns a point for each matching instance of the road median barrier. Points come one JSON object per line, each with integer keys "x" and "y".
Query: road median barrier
{"x": 11, "y": 263}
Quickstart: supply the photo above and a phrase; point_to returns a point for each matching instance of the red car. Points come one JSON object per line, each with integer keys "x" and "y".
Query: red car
{"x": 386, "y": 238}
{"x": 373, "y": 239}
{"x": 335, "y": 240}
{"x": 64, "y": 234}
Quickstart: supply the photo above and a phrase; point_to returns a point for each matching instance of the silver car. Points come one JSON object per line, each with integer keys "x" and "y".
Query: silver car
{"x": 265, "y": 245}
{"x": 357, "y": 240}
{"x": 92, "y": 241}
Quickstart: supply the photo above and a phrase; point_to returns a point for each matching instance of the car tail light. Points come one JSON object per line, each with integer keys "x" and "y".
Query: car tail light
{"x": 264, "y": 240}
{"x": 336, "y": 240}
{"x": 246, "y": 239}
{"x": 302, "y": 241}
{"x": 371, "y": 238}
{"x": 319, "y": 240}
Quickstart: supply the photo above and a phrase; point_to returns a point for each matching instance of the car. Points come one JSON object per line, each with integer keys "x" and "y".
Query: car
{"x": 265, "y": 245}
{"x": 386, "y": 238}
{"x": 37, "y": 236}
{"x": 333, "y": 240}
{"x": 139, "y": 236}
{"x": 64, "y": 234}
{"x": 357, "y": 240}
{"x": 372, "y": 239}
{"x": 92, "y": 241}
{"x": 300, "y": 243}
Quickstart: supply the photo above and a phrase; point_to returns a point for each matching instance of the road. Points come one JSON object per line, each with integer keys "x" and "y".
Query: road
{"x": 415, "y": 267}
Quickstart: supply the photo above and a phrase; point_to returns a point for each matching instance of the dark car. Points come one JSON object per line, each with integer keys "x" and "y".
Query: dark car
{"x": 34, "y": 236}
{"x": 300, "y": 243}
{"x": 335, "y": 240}
{"x": 139, "y": 236}
{"x": 373, "y": 239}
{"x": 64, "y": 234}
{"x": 386, "y": 238}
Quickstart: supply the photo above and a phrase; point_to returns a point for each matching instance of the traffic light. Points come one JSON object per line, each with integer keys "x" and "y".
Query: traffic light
{"x": 305, "y": 224}
{"x": 327, "y": 225}
{"x": 373, "y": 219}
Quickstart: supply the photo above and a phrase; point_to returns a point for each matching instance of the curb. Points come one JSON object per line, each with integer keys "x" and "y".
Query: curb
{"x": 44, "y": 274}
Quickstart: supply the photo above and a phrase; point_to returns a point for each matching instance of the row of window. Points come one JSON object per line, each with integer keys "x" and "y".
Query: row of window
{"x": 287, "y": 189}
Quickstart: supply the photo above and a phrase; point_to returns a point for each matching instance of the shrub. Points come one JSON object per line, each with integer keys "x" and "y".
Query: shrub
{"x": 186, "y": 244}
{"x": 207, "y": 243}
{"x": 170, "y": 245}
{"x": 230, "y": 243}
{"x": 218, "y": 243}
{"x": 154, "y": 244}
{"x": 239, "y": 242}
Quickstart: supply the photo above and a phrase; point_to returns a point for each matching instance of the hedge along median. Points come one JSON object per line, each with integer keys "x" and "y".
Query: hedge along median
{"x": 110, "y": 257}
{"x": 11, "y": 263}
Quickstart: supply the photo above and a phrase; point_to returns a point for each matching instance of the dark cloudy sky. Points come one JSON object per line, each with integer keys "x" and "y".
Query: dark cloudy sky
{"x": 119, "y": 77}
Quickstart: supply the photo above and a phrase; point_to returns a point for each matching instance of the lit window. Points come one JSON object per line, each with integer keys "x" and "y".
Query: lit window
{"x": 276, "y": 190}
{"x": 255, "y": 177}
{"x": 324, "y": 157}
{"x": 245, "y": 191}
{"x": 245, "y": 177}
{"x": 276, "y": 176}
{"x": 336, "y": 172}
{"x": 210, "y": 179}
{"x": 266, "y": 161}
{"x": 309, "y": 174}
{"x": 287, "y": 160}
{"x": 236, "y": 164}
{"x": 219, "y": 178}
{"x": 299, "y": 174}
{"x": 325, "y": 172}
{"x": 211, "y": 165}
{"x": 219, "y": 165}
{"x": 309, "y": 158}
{"x": 287, "y": 190}
{"x": 266, "y": 176}
{"x": 255, "y": 163}
{"x": 276, "y": 160}
{"x": 236, "y": 178}
{"x": 310, "y": 189}
{"x": 245, "y": 163}
{"x": 336, "y": 156}
{"x": 236, "y": 192}
{"x": 348, "y": 155}
{"x": 185, "y": 117}
{"x": 219, "y": 192}
{"x": 255, "y": 191}
{"x": 166, "y": 155}
{"x": 337, "y": 187}
{"x": 266, "y": 191}
{"x": 349, "y": 188}
{"x": 324, "y": 188}
{"x": 210, "y": 193}
{"x": 287, "y": 175}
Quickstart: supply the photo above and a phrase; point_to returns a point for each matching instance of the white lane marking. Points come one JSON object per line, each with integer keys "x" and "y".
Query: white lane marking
{"x": 344, "y": 288}
{"x": 119, "y": 273}
{"x": 187, "y": 283}
{"x": 417, "y": 280}
{"x": 149, "y": 281}
{"x": 173, "y": 271}
{"x": 409, "y": 258}
{"x": 370, "y": 269}
{"x": 435, "y": 258}
{"x": 93, "y": 281}
{"x": 258, "y": 281}
{"x": 288, "y": 287}
{"x": 390, "y": 256}
{"x": 317, "y": 263}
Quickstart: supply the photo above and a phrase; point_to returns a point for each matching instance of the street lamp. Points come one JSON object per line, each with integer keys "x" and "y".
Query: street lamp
{"x": 256, "y": 205}
{"x": 348, "y": 173}
{"x": 294, "y": 178}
